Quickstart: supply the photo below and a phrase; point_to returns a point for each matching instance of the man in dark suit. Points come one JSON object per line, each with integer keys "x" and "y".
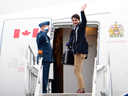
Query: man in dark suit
{"x": 78, "y": 44}
{"x": 43, "y": 43}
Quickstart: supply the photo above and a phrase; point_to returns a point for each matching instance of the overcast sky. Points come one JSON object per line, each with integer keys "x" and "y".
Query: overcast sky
{"x": 11, "y": 6}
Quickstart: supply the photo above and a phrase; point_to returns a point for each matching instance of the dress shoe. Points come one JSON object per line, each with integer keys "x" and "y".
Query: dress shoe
{"x": 80, "y": 91}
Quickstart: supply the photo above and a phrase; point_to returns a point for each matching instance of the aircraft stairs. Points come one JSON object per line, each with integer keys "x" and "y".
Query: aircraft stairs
{"x": 67, "y": 94}
{"x": 33, "y": 78}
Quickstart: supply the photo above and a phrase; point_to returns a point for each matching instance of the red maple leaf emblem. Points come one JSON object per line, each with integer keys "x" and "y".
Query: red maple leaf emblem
{"x": 26, "y": 32}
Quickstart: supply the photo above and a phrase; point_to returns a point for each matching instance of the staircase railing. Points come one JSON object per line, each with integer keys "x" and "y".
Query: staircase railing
{"x": 107, "y": 71}
{"x": 33, "y": 73}
{"x": 107, "y": 85}
{"x": 94, "y": 79}
{"x": 96, "y": 69}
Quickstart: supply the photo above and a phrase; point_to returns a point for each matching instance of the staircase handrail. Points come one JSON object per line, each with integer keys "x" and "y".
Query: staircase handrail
{"x": 29, "y": 68}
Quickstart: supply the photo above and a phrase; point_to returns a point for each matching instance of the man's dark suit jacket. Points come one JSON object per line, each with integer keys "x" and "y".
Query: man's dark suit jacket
{"x": 81, "y": 45}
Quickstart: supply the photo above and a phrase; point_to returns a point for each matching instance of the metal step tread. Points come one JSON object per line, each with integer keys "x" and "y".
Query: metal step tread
{"x": 67, "y": 94}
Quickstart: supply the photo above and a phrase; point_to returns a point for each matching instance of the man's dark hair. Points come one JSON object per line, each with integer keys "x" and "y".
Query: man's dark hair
{"x": 76, "y": 16}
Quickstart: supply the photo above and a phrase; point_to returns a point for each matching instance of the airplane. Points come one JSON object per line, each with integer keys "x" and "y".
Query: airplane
{"x": 105, "y": 71}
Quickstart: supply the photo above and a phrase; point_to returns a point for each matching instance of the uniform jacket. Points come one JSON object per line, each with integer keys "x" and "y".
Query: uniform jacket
{"x": 43, "y": 43}
{"x": 81, "y": 45}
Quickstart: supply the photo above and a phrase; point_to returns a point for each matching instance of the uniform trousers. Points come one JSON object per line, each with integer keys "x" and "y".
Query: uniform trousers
{"x": 78, "y": 61}
{"x": 46, "y": 66}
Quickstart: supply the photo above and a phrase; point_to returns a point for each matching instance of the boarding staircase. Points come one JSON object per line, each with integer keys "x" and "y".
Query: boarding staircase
{"x": 33, "y": 74}
{"x": 33, "y": 78}
{"x": 106, "y": 82}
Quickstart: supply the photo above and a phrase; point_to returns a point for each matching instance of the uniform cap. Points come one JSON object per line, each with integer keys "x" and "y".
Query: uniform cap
{"x": 44, "y": 23}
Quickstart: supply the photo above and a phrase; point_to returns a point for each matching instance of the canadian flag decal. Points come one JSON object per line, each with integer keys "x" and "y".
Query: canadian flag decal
{"x": 19, "y": 33}
{"x": 26, "y": 32}
{"x": 16, "y": 33}
{"x": 35, "y": 32}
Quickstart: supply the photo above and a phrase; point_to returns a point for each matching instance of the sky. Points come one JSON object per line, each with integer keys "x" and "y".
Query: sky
{"x": 12, "y": 6}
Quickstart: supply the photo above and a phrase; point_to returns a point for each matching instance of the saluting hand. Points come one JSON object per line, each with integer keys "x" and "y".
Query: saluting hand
{"x": 46, "y": 27}
{"x": 83, "y": 7}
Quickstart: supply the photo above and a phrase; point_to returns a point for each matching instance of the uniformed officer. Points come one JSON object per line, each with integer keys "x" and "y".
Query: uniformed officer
{"x": 43, "y": 43}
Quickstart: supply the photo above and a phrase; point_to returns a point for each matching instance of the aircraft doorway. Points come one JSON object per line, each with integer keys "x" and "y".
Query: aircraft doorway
{"x": 64, "y": 78}
{"x": 57, "y": 83}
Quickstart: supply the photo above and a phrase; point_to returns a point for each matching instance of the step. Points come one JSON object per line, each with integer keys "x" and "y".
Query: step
{"x": 67, "y": 94}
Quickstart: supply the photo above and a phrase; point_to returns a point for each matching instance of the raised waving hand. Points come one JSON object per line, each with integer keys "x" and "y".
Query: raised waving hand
{"x": 83, "y": 7}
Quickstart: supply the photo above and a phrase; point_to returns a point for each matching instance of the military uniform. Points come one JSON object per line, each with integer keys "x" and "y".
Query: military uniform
{"x": 43, "y": 43}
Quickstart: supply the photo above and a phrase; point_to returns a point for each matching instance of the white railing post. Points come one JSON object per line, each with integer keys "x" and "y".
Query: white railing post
{"x": 109, "y": 82}
{"x": 96, "y": 69}
{"x": 39, "y": 78}
{"x": 94, "y": 78}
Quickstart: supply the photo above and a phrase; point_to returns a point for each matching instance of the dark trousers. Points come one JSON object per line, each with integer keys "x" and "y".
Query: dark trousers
{"x": 46, "y": 66}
